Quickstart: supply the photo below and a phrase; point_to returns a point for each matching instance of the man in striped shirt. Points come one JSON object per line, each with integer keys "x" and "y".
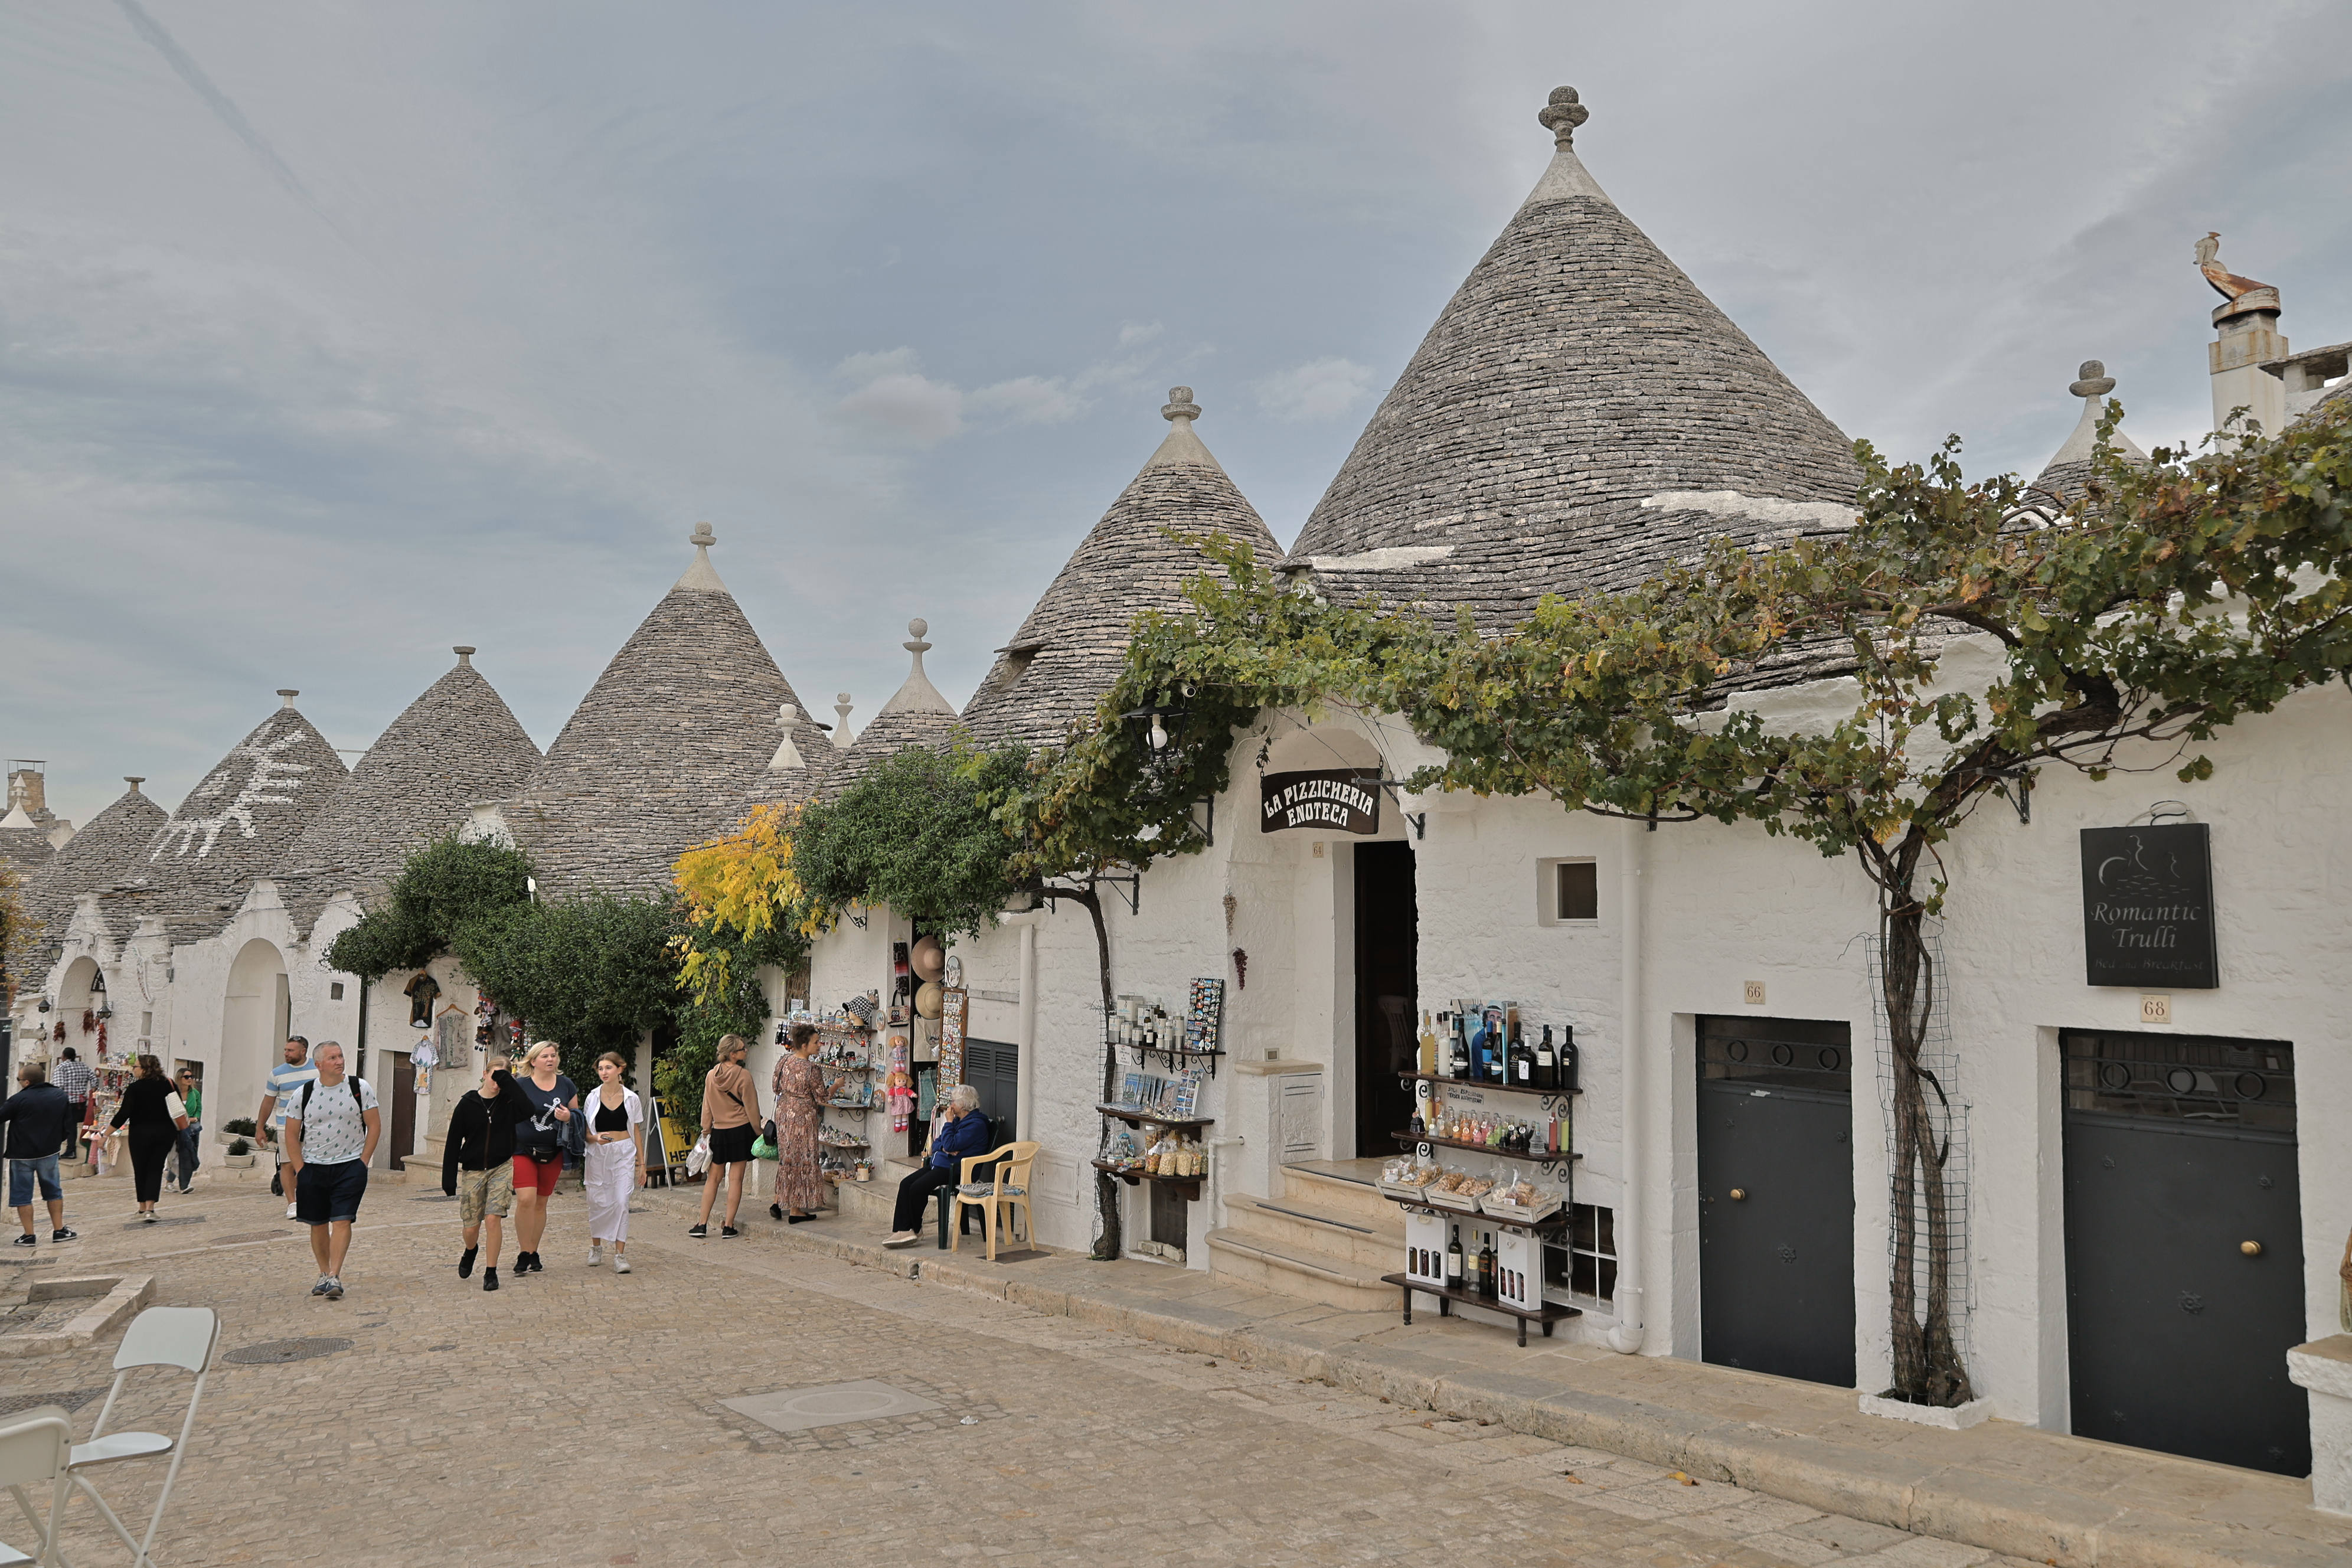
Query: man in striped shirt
{"x": 75, "y": 1077}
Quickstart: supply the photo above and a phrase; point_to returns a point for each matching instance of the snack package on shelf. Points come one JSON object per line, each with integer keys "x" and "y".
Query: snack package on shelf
{"x": 1522, "y": 1201}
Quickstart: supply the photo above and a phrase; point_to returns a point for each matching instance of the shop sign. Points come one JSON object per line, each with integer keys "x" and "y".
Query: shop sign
{"x": 1338, "y": 800}
{"x": 2148, "y": 908}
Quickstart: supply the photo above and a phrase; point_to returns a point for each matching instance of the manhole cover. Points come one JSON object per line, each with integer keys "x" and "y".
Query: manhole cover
{"x": 172, "y": 1219}
{"x": 71, "y": 1398}
{"x": 273, "y": 1353}
{"x": 799, "y": 1409}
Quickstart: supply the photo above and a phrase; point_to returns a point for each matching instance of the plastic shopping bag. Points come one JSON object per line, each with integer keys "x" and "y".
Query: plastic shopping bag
{"x": 698, "y": 1159}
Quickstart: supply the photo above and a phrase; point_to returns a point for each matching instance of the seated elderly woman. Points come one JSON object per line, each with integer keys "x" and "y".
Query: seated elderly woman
{"x": 958, "y": 1131}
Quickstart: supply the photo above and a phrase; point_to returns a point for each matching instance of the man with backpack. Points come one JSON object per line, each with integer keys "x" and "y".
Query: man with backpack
{"x": 331, "y": 1133}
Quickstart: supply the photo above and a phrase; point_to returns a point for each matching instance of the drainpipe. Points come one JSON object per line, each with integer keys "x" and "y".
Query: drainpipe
{"x": 1625, "y": 1339}
{"x": 1025, "y": 1086}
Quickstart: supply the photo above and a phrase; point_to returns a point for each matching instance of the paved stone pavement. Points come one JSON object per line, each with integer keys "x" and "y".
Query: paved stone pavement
{"x": 575, "y": 1417}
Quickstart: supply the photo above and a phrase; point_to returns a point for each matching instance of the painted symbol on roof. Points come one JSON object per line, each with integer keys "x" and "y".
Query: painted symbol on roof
{"x": 269, "y": 779}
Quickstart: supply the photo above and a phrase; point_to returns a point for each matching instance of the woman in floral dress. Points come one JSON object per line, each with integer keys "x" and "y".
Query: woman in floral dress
{"x": 800, "y": 1093}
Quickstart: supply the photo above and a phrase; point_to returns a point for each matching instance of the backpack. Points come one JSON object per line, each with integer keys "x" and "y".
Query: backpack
{"x": 357, "y": 1084}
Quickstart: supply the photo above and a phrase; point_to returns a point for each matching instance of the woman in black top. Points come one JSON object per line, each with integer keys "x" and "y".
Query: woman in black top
{"x": 478, "y": 1156}
{"x": 154, "y": 1130}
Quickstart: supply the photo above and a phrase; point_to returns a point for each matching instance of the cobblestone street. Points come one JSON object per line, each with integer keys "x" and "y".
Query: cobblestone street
{"x": 575, "y": 1418}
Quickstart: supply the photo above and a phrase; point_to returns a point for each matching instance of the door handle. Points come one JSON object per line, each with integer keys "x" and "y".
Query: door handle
{"x": 1739, "y": 1194}
{"x": 2251, "y": 1248}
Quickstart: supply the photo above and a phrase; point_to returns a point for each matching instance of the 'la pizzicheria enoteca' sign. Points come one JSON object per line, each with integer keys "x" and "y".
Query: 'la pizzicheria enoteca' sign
{"x": 1338, "y": 800}
{"x": 2148, "y": 907}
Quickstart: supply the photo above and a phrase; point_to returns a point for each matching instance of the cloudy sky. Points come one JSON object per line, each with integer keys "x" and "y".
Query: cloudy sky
{"x": 333, "y": 334}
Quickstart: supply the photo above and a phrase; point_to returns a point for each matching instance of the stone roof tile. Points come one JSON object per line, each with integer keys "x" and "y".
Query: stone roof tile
{"x": 457, "y": 743}
{"x": 102, "y": 854}
{"x": 1046, "y": 681}
{"x": 1579, "y": 415}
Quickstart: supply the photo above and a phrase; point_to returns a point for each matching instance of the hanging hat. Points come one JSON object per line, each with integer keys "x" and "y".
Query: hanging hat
{"x": 929, "y": 958}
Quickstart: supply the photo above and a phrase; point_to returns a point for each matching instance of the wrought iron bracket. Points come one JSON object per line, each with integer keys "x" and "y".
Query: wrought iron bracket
{"x": 1418, "y": 819}
{"x": 1209, "y": 826}
{"x": 2020, "y": 795}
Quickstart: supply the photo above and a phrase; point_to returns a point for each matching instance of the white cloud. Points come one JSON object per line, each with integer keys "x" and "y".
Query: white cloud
{"x": 896, "y": 398}
{"x": 1133, "y": 333}
{"x": 1030, "y": 400}
{"x": 1320, "y": 389}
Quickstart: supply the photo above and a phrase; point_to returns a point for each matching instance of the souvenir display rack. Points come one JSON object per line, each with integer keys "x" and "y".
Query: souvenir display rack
{"x": 1188, "y": 1185}
{"x": 844, "y": 1057}
{"x": 1171, "y": 1105}
{"x": 1531, "y": 1156}
{"x": 1548, "y": 1313}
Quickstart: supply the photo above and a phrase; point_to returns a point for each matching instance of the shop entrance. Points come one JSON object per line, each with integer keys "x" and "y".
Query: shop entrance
{"x": 1388, "y": 952}
{"x": 2184, "y": 1250}
{"x": 403, "y": 1110}
{"x": 1776, "y": 1197}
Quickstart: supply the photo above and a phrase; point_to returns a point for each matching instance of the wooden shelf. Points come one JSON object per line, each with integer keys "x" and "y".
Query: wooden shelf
{"x": 1547, "y": 1314}
{"x": 844, "y": 1105}
{"x": 1132, "y": 1177}
{"x": 1479, "y": 1083}
{"x": 1531, "y": 1156}
{"x": 1138, "y": 1116}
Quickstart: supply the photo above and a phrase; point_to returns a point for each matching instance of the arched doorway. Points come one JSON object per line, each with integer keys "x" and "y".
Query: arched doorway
{"x": 256, "y": 1014}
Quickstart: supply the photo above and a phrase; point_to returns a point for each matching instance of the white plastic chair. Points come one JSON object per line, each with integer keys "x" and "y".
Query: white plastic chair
{"x": 35, "y": 1445}
{"x": 184, "y": 1337}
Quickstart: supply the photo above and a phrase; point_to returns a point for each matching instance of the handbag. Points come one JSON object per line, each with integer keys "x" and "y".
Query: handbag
{"x": 768, "y": 1134}
{"x": 698, "y": 1159}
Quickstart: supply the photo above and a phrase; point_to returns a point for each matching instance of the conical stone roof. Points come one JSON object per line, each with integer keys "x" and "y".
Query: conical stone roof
{"x": 803, "y": 759}
{"x": 1046, "y": 681}
{"x": 455, "y": 745}
{"x": 102, "y": 854}
{"x": 1580, "y": 414}
{"x": 2061, "y": 480}
{"x": 916, "y": 715}
{"x": 668, "y": 740}
{"x": 236, "y": 826}
{"x": 25, "y": 847}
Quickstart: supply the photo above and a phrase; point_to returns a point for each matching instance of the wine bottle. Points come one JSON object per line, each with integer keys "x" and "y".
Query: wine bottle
{"x": 1459, "y": 1066}
{"x": 1453, "y": 1261}
{"x": 1547, "y": 1062}
{"x": 1487, "y": 1267}
{"x": 1426, "y": 1062}
{"x": 1523, "y": 1061}
{"x": 1567, "y": 1084}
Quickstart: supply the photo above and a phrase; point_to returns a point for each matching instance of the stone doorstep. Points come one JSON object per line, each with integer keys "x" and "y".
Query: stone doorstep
{"x": 1923, "y": 1486}
{"x": 119, "y": 1296}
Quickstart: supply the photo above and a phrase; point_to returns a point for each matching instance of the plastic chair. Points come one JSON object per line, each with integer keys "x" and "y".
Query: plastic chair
{"x": 1010, "y": 1190}
{"x": 182, "y": 1337}
{"x": 35, "y": 1446}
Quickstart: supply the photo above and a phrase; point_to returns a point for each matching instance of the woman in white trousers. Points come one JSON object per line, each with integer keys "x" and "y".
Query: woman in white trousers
{"x": 616, "y": 1159}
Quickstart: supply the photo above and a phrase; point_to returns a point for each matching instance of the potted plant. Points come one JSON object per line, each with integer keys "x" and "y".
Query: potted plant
{"x": 240, "y": 1153}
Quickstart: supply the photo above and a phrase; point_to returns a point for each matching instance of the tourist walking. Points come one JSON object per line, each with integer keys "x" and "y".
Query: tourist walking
{"x": 331, "y": 1133}
{"x": 75, "y": 1078}
{"x": 959, "y": 1130}
{"x": 477, "y": 1165}
{"x": 286, "y": 1079}
{"x": 540, "y": 1145}
{"x": 151, "y": 1110}
{"x": 799, "y": 1087}
{"x": 615, "y": 1161}
{"x": 37, "y": 1122}
{"x": 190, "y": 1090}
{"x": 730, "y": 1120}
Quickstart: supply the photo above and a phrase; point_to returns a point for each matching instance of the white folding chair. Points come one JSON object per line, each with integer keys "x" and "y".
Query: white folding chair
{"x": 184, "y": 1337}
{"x": 35, "y": 1445}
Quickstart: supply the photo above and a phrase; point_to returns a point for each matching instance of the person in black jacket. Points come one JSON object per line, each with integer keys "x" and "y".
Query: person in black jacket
{"x": 38, "y": 1119}
{"x": 477, "y": 1163}
{"x": 148, "y": 1105}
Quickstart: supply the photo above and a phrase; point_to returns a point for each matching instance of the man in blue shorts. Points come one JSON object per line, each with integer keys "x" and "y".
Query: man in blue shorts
{"x": 39, "y": 1121}
{"x": 331, "y": 1133}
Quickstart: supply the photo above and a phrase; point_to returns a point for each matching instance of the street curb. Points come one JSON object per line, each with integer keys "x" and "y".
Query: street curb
{"x": 2000, "y": 1513}
{"x": 119, "y": 1296}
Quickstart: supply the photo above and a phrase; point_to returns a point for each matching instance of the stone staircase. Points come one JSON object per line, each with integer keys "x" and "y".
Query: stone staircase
{"x": 1329, "y": 1237}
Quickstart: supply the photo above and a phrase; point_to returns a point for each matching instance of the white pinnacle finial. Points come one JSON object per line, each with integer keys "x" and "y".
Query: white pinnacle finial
{"x": 1562, "y": 115}
{"x": 787, "y": 754}
{"x": 2092, "y": 380}
{"x": 134, "y": 780}
{"x": 700, "y": 577}
{"x": 286, "y": 695}
{"x": 841, "y": 706}
{"x": 1181, "y": 405}
{"x": 464, "y": 654}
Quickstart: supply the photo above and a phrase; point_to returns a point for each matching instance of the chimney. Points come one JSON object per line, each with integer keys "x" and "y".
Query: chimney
{"x": 2245, "y": 336}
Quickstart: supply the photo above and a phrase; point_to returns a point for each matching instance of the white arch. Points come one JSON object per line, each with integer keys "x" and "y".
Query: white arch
{"x": 255, "y": 1013}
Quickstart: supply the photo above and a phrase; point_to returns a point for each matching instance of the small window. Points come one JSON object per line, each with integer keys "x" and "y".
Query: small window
{"x": 334, "y": 990}
{"x": 1568, "y": 892}
{"x": 1585, "y": 1268}
{"x": 1016, "y": 663}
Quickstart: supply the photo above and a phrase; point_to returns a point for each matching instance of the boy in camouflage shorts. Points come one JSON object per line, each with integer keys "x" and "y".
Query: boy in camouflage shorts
{"x": 477, "y": 1167}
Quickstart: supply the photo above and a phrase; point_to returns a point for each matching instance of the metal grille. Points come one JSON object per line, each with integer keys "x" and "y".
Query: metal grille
{"x": 1786, "y": 1053}
{"x": 1948, "y": 1117}
{"x": 2198, "y": 1080}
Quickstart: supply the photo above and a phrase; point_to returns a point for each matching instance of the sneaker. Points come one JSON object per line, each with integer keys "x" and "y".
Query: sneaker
{"x": 620, "y": 1264}
{"x": 334, "y": 1291}
{"x": 465, "y": 1263}
{"x": 902, "y": 1238}
{"x": 29, "y": 1239}
{"x": 63, "y": 1234}
{"x": 700, "y": 1232}
{"x": 320, "y": 1288}
{"x": 148, "y": 1216}
{"x": 490, "y": 1278}
{"x": 728, "y": 1233}
{"x": 775, "y": 1211}
{"x": 290, "y": 1210}
{"x": 595, "y": 1256}
{"x": 536, "y": 1266}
